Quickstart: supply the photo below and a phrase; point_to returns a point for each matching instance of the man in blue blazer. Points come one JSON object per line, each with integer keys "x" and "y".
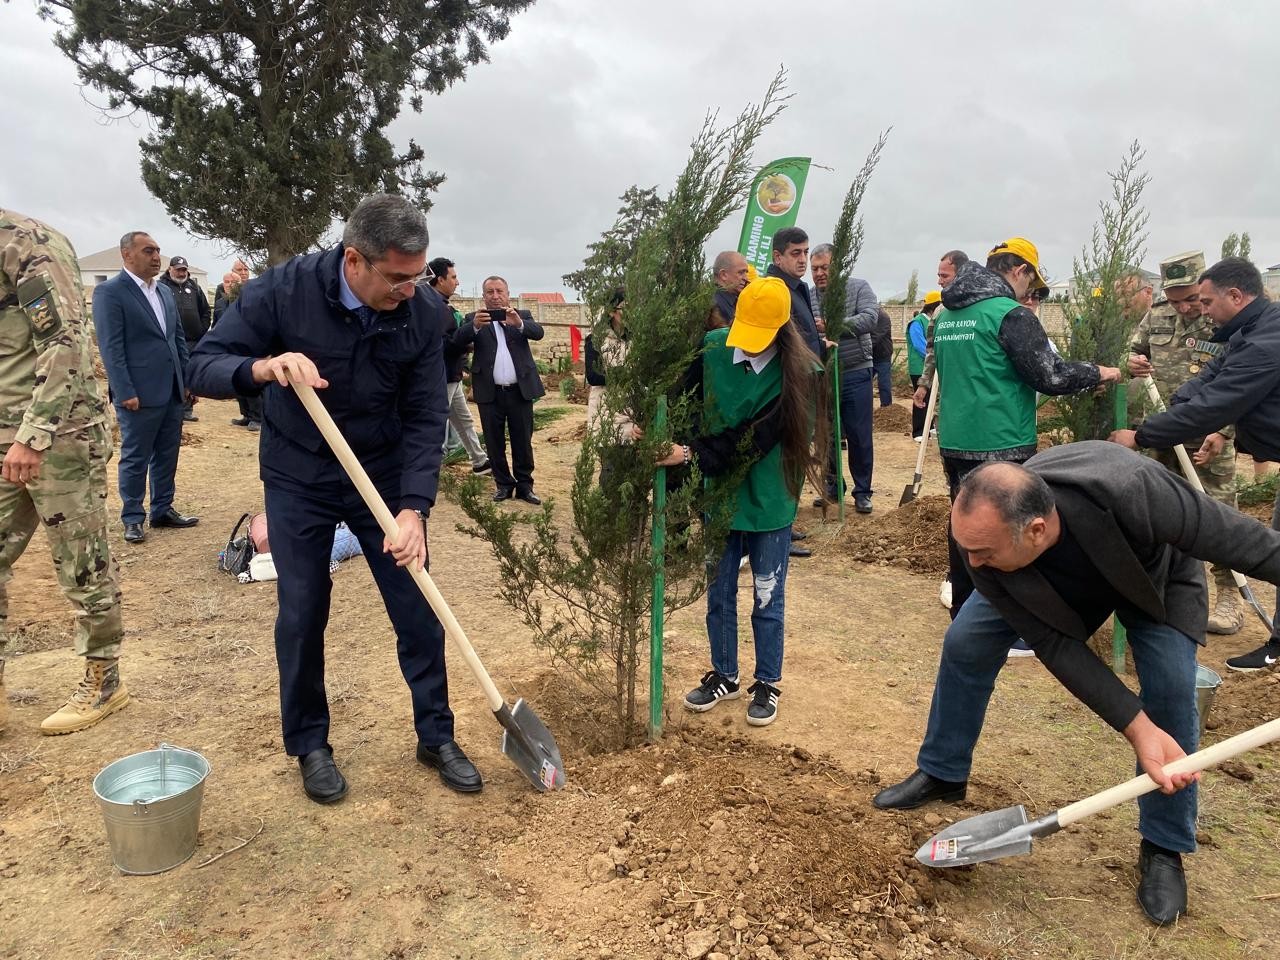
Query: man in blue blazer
{"x": 145, "y": 352}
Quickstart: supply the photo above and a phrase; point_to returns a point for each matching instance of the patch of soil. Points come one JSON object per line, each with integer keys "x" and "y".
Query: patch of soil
{"x": 1243, "y": 701}
{"x": 913, "y": 537}
{"x": 722, "y": 843}
{"x": 575, "y": 434}
{"x": 1259, "y": 511}
{"x": 891, "y": 419}
{"x": 581, "y": 388}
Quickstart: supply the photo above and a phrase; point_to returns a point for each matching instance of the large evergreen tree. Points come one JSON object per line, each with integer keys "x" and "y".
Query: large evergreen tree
{"x": 268, "y": 117}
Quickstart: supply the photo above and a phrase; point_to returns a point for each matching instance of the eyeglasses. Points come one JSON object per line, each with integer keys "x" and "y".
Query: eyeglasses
{"x": 400, "y": 286}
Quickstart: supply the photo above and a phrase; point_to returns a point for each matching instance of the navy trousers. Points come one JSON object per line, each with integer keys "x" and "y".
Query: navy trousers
{"x": 149, "y": 441}
{"x": 302, "y": 521}
{"x": 856, "y": 399}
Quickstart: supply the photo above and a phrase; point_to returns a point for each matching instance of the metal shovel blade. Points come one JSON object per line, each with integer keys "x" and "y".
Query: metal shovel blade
{"x": 988, "y": 836}
{"x": 1247, "y": 592}
{"x": 531, "y": 747}
{"x": 911, "y": 490}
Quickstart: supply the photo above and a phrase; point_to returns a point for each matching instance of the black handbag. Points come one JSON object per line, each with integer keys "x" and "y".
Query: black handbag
{"x": 239, "y": 550}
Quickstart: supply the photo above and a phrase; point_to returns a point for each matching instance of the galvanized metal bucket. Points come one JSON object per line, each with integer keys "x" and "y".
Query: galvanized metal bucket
{"x": 151, "y": 804}
{"x": 1207, "y": 684}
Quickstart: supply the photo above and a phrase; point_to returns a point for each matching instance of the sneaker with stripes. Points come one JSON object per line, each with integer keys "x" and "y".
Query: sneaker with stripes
{"x": 713, "y": 688}
{"x": 763, "y": 709}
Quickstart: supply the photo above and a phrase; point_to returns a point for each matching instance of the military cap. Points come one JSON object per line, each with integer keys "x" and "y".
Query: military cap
{"x": 1182, "y": 270}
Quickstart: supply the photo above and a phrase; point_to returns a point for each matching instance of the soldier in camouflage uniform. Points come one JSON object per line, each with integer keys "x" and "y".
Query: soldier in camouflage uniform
{"x": 55, "y": 445}
{"x": 1171, "y": 344}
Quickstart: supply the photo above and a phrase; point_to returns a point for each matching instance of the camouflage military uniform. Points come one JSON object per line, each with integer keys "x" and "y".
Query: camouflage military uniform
{"x": 51, "y": 401}
{"x": 1178, "y": 350}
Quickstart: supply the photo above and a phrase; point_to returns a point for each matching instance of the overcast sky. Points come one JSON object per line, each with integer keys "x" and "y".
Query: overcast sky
{"x": 1006, "y": 119}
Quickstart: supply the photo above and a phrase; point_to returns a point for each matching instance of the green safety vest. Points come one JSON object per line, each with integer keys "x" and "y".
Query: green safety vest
{"x": 732, "y": 394}
{"x": 985, "y": 405}
{"x": 915, "y": 359}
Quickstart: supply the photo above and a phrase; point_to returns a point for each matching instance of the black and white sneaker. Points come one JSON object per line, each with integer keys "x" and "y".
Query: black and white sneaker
{"x": 764, "y": 704}
{"x": 483, "y": 470}
{"x": 713, "y": 688}
{"x": 1264, "y": 658}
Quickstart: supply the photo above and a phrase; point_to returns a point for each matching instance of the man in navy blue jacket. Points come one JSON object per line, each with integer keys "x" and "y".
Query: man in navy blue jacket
{"x": 359, "y": 324}
{"x": 144, "y": 351}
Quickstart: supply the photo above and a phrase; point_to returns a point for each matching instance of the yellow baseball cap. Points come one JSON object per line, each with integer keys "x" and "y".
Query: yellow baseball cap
{"x": 763, "y": 307}
{"x": 933, "y": 296}
{"x": 752, "y": 272}
{"x": 1024, "y": 248}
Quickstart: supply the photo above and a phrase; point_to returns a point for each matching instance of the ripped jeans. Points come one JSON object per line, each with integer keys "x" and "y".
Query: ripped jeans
{"x": 769, "y": 552}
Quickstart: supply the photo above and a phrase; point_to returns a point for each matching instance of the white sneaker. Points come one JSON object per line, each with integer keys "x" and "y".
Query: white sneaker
{"x": 919, "y": 439}
{"x": 944, "y": 595}
{"x": 1020, "y": 649}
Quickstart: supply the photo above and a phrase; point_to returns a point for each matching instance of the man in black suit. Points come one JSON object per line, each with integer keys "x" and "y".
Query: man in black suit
{"x": 505, "y": 382}
{"x": 1084, "y": 531}
{"x": 145, "y": 352}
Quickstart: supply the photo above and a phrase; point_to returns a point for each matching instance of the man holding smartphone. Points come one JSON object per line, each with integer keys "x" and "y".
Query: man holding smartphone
{"x": 504, "y": 383}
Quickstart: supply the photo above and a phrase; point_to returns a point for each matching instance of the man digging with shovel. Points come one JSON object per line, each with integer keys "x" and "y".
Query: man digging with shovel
{"x": 1054, "y": 548}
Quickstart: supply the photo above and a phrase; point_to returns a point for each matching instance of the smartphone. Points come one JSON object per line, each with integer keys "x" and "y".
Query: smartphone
{"x": 497, "y": 316}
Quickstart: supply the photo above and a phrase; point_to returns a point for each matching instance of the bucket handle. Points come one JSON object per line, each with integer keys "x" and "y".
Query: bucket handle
{"x": 142, "y": 804}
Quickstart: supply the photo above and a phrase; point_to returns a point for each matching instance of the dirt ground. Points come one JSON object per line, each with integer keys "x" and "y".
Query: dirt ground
{"x": 720, "y": 840}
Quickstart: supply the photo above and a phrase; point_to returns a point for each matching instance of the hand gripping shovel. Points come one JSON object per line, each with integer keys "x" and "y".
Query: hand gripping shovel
{"x": 525, "y": 739}
{"x": 1007, "y": 833}
{"x": 912, "y": 489}
{"x": 1193, "y": 478}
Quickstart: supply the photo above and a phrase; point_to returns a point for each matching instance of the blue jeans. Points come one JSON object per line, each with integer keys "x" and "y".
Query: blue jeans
{"x": 884, "y": 381}
{"x": 973, "y": 652}
{"x": 769, "y": 553}
{"x": 856, "y": 399}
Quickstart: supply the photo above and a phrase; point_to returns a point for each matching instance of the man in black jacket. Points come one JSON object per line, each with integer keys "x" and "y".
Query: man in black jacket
{"x": 359, "y": 324}
{"x": 193, "y": 311}
{"x": 882, "y": 356}
{"x": 504, "y": 382}
{"x": 1241, "y": 387}
{"x": 444, "y": 280}
{"x": 1055, "y": 548}
{"x": 790, "y": 263}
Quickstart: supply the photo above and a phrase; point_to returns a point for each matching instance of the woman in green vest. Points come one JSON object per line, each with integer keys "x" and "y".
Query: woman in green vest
{"x": 759, "y": 383}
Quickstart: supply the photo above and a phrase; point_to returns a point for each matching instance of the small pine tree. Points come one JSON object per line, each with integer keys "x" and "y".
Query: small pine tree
{"x": 1102, "y": 326}
{"x": 583, "y": 587}
{"x": 913, "y": 288}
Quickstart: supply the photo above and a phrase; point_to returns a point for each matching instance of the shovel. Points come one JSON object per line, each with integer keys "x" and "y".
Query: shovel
{"x": 1193, "y": 478}
{"x": 1008, "y": 833}
{"x": 912, "y": 489}
{"x": 525, "y": 738}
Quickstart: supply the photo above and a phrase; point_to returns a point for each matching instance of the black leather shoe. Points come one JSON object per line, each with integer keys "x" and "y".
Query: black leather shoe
{"x": 133, "y": 533}
{"x": 917, "y": 790}
{"x": 457, "y": 772}
{"x": 240, "y": 421}
{"x": 320, "y": 777}
{"x": 190, "y": 417}
{"x": 797, "y": 535}
{"x": 172, "y": 518}
{"x": 800, "y": 551}
{"x": 1162, "y": 892}
{"x": 530, "y": 497}
{"x": 500, "y": 495}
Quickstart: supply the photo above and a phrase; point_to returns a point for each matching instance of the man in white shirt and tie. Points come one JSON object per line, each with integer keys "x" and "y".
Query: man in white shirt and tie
{"x": 145, "y": 353}
{"x": 504, "y": 383}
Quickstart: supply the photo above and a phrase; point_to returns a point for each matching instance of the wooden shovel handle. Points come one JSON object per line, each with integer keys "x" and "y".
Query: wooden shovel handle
{"x": 1200, "y": 760}
{"x": 346, "y": 456}
{"x": 928, "y": 422}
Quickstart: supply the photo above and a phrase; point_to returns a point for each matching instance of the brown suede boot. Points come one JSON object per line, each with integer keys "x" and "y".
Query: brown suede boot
{"x": 1228, "y": 613}
{"x": 99, "y": 694}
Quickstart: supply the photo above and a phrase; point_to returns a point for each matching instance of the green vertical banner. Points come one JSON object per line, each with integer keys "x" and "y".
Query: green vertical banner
{"x": 772, "y": 206}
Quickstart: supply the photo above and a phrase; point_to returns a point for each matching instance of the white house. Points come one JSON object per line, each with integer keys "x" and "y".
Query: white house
{"x": 102, "y": 266}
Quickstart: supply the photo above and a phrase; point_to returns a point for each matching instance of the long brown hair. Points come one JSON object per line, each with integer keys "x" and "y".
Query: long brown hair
{"x": 805, "y": 426}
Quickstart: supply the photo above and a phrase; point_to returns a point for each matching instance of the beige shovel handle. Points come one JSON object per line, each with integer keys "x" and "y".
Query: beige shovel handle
{"x": 928, "y": 422}
{"x": 346, "y": 456}
{"x": 1188, "y": 468}
{"x": 1208, "y": 757}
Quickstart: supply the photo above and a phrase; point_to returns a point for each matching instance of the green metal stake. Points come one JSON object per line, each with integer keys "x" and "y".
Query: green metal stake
{"x": 835, "y": 392}
{"x": 656, "y": 610}
{"x": 1119, "y": 637}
